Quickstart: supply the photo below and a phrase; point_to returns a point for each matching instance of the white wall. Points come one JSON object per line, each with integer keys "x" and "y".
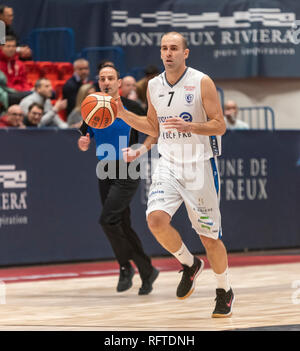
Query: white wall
{"x": 283, "y": 95}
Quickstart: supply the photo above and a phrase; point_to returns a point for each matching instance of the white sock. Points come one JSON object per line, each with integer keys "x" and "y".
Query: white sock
{"x": 184, "y": 256}
{"x": 222, "y": 280}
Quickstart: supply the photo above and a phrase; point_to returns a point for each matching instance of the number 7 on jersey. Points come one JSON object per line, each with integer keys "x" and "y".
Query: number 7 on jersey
{"x": 171, "y": 97}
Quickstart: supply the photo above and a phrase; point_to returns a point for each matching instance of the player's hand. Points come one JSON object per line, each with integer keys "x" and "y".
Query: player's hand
{"x": 84, "y": 142}
{"x": 130, "y": 154}
{"x": 121, "y": 110}
{"x": 177, "y": 123}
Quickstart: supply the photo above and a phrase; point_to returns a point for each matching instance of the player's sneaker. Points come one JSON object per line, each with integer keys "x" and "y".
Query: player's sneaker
{"x": 125, "y": 278}
{"x": 188, "y": 279}
{"x": 224, "y": 303}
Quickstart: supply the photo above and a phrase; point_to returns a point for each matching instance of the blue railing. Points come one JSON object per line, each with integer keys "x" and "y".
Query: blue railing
{"x": 98, "y": 53}
{"x": 258, "y": 117}
{"x": 52, "y": 44}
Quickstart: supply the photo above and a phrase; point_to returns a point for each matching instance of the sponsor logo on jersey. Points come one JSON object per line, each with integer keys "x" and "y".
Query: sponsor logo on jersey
{"x": 206, "y": 222}
{"x": 189, "y": 87}
{"x": 186, "y": 116}
{"x": 189, "y": 98}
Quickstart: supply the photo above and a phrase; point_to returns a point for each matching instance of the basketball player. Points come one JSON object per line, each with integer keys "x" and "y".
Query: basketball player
{"x": 117, "y": 190}
{"x": 185, "y": 112}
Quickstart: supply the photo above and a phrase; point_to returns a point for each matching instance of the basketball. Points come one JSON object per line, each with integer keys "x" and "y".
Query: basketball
{"x": 99, "y": 110}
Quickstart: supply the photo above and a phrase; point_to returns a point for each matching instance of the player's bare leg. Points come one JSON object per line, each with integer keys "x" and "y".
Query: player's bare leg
{"x": 170, "y": 239}
{"x": 218, "y": 260}
{"x": 165, "y": 234}
{"x": 216, "y": 254}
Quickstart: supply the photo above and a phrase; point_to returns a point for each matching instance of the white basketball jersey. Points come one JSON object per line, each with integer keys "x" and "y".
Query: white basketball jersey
{"x": 183, "y": 100}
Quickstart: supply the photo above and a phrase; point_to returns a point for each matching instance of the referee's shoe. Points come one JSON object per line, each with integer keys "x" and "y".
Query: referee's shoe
{"x": 146, "y": 287}
{"x": 125, "y": 278}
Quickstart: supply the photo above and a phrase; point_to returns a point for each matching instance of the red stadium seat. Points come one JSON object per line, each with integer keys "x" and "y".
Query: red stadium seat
{"x": 49, "y": 70}
{"x": 58, "y": 86}
{"x": 33, "y": 72}
{"x": 65, "y": 69}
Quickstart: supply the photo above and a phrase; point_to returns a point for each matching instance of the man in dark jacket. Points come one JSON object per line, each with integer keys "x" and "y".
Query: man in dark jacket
{"x": 71, "y": 87}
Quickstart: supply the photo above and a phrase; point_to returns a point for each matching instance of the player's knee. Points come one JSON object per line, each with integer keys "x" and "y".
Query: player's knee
{"x": 208, "y": 243}
{"x": 158, "y": 221}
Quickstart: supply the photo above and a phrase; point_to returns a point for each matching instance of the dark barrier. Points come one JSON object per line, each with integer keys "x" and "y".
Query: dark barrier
{"x": 49, "y": 204}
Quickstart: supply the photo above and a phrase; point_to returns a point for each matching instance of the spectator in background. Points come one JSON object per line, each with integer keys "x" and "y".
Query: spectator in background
{"x": 230, "y": 113}
{"x": 34, "y": 115}
{"x": 13, "y": 118}
{"x": 128, "y": 89}
{"x": 72, "y": 85}
{"x": 41, "y": 95}
{"x": 7, "y": 16}
{"x": 128, "y": 86}
{"x": 75, "y": 119}
{"x": 12, "y": 66}
{"x": 141, "y": 86}
{"x": 9, "y": 96}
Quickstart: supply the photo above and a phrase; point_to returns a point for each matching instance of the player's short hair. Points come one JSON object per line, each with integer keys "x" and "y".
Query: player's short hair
{"x": 113, "y": 67}
{"x": 184, "y": 41}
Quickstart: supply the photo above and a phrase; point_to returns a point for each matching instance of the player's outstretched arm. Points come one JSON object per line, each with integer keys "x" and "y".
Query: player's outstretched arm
{"x": 145, "y": 124}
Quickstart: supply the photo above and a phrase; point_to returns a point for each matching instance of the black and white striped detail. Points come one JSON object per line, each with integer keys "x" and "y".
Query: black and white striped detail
{"x": 239, "y": 19}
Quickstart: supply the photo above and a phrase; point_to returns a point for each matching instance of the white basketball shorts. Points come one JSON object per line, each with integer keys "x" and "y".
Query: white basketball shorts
{"x": 201, "y": 196}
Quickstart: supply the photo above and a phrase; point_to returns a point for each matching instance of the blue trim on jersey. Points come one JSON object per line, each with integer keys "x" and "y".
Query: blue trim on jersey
{"x": 214, "y": 145}
{"x": 217, "y": 186}
{"x": 220, "y": 234}
{"x": 172, "y": 86}
{"x": 215, "y": 174}
{"x": 111, "y": 140}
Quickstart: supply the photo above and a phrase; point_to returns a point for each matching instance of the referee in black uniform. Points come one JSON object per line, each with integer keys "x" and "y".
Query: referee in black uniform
{"x": 116, "y": 192}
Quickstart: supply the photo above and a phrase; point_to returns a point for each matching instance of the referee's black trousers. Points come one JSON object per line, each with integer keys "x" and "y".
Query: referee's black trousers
{"x": 116, "y": 195}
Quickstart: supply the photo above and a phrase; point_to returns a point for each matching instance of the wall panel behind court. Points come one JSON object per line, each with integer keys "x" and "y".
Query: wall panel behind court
{"x": 49, "y": 204}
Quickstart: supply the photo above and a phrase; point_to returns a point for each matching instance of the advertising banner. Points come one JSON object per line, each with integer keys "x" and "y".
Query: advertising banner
{"x": 227, "y": 38}
{"x": 50, "y": 206}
